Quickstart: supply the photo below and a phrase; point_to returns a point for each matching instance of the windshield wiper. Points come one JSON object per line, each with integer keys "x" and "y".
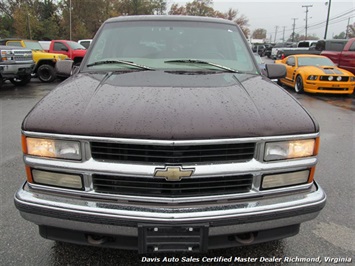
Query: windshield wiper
{"x": 196, "y": 61}
{"x": 123, "y": 62}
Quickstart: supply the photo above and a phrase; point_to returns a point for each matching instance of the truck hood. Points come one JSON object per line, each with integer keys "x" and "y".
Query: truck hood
{"x": 41, "y": 55}
{"x": 169, "y": 106}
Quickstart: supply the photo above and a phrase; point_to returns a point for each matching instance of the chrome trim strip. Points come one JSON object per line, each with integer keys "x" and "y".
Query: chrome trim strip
{"x": 170, "y": 142}
{"x": 260, "y": 206}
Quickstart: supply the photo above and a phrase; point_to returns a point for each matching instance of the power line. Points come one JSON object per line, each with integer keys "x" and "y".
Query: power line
{"x": 319, "y": 25}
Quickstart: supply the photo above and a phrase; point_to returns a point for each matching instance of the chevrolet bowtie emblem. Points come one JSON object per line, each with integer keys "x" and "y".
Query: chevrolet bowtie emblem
{"x": 173, "y": 173}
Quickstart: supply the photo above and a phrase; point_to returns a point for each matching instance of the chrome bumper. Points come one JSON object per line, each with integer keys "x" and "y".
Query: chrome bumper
{"x": 15, "y": 70}
{"x": 122, "y": 218}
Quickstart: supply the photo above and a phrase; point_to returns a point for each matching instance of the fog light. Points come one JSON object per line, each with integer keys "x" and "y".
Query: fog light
{"x": 57, "y": 179}
{"x": 285, "y": 179}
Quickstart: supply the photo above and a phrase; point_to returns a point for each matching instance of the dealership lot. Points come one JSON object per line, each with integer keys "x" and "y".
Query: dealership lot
{"x": 330, "y": 236}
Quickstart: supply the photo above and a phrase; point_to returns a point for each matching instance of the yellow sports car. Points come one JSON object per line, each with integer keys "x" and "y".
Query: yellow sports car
{"x": 316, "y": 74}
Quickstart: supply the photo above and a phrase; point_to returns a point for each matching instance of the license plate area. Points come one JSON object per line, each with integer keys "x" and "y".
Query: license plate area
{"x": 182, "y": 238}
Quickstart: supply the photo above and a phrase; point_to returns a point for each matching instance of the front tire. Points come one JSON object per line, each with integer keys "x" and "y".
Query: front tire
{"x": 299, "y": 87}
{"x": 46, "y": 73}
{"x": 22, "y": 81}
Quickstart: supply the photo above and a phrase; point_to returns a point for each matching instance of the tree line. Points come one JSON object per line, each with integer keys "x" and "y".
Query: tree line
{"x": 53, "y": 19}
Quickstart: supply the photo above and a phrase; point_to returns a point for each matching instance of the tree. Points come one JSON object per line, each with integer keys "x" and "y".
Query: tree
{"x": 140, "y": 7}
{"x": 259, "y": 34}
{"x": 341, "y": 35}
{"x": 204, "y": 8}
{"x": 351, "y": 31}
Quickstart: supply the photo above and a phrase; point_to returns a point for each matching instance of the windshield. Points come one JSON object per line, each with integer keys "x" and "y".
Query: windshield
{"x": 76, "y": 46}
{"x": 33, "y": 45}
{"x": 154, "y": 43}
{"x": 315, "y": 61}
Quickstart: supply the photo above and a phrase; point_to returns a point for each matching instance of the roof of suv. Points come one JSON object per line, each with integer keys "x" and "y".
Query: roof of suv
{"x": 171, "y": 18}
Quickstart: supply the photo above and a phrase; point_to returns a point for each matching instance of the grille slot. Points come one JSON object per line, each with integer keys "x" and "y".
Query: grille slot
{"x": 172, "y": 154}
{"x": 188, "y": 187}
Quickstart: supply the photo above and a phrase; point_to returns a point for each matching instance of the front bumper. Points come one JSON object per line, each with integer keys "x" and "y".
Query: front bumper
{"x": 16, "y": 70}
{"x": 324, "y": 87}
{"x": 57, "y": 215}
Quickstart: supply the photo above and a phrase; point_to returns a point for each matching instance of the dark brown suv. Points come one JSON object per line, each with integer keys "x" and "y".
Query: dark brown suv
{"x": 168, "y": 138}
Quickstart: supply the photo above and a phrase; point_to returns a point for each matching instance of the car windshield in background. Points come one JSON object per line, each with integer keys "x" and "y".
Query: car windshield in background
{"x": 154, "y": 43}
{"x": 314, "y": 61}
{"x": 76, "y": 46}
{"x": 33, "y": 45}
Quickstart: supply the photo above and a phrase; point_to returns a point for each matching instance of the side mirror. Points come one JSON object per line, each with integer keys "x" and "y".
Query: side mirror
{"x": 64, "y": 67}
{"x": 275, "y": 71}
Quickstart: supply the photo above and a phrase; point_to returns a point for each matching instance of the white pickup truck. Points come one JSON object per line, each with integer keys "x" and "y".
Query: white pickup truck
{"x": 16, "y": 65}
{"x": 301, "y": 46}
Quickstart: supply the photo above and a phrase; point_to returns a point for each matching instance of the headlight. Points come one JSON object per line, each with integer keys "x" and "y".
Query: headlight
{"x": 290, "y": 149}
{"x": 352, "y": 79}
{"x": 52, "y": 148}
{"x": 312, "y": 77}
{"x": 6, "y": 56}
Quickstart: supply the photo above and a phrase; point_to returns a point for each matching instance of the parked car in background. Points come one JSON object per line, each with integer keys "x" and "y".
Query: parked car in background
{"x": 45, "y": 62}
{"x": 268, "y": 49}
{"x": 86, "y": 42}
{"x": 16, "y": 65}
{"x": 45, "y": 45}
{"x": 316, "y": 74}
{"x": 261, "y": 64}
{"x": 169, "y": 148}
{"x": 279, "y": 46}
{"x": 259, "y": 49}
{"x": 343, "y": 53}
{"x": 302, "y": 47}
{"x": 73, "y": 50}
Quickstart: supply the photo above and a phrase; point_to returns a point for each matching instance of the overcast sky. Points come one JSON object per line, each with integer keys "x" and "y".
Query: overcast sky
{"x": 268, "y": 14}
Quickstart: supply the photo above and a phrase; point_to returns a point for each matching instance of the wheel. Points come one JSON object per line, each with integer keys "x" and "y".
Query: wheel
{"x": 299, "y": 88}
{"x": 22, "y": 81}
{"x": 46, "y": 73}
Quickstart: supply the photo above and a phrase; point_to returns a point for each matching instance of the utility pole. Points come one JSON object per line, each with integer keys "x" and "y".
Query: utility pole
{"x": 347, "y": 28}
{"x": 326, "y": 24}
{"x": 307, "y": 6}
{"x": 276, "y": 27}
{"x": 70, "y": 20}
{"x": 293, "y": 29}
{"x": 283, "y": 34}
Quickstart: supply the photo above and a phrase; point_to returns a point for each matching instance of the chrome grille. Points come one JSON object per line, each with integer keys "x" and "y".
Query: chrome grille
{"x": 188, "y": 187}
{"x": 22, "y": 56}
{"x": 172, "y": 154}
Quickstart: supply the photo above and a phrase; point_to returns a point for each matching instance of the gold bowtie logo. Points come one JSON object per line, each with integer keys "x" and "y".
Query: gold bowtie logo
{"x": 173, "y": 173}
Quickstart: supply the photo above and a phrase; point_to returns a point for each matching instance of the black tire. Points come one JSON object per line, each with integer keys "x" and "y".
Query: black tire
{"x": 1, "y": 81}
{"x": 22, "y": 81}
{"x": 46, "y": 73}
{"x": 299, "y": 87}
